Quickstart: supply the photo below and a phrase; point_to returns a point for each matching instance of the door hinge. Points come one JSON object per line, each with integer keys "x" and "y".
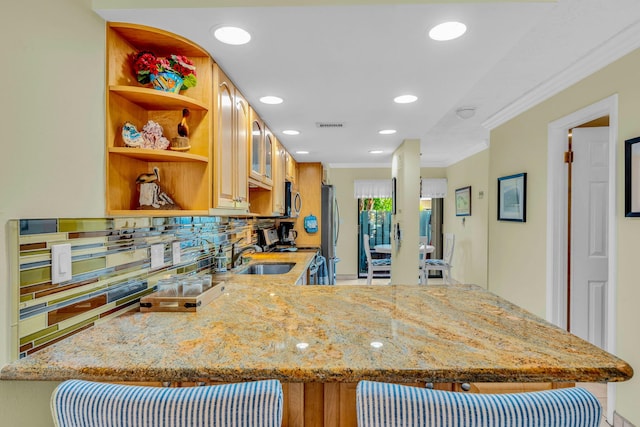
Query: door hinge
{"x": 568, "y": 156}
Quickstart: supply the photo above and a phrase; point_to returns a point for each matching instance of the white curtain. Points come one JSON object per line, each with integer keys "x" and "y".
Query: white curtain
{"x": 434, "y": 188}
{"x": 372, "y": 188}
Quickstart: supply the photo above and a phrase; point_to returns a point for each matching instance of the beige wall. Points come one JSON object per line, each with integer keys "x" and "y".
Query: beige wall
{"x": 470, "y": 253}
{"x": 52, "y": 164}
{"x": 517, "y": 251}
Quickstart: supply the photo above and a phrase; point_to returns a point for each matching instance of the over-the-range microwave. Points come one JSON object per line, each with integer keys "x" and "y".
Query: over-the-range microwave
{"x": 292, "y": 201}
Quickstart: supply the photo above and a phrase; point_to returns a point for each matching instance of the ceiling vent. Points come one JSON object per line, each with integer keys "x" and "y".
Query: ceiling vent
{"x": 327, "y": 125}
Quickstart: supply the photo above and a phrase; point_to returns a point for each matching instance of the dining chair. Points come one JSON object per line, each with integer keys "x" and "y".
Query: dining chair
{"x": 378, "y": 264}
{"x": 78, "y": 403}
{"x": 424, "y": 272}
{"x": 443, "y": 264}
{"x": 394, "y": 405}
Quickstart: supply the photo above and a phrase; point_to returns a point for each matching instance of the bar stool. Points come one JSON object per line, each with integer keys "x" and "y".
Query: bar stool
{"x": 393, "y": 405}
{"x": 77, "y": 403}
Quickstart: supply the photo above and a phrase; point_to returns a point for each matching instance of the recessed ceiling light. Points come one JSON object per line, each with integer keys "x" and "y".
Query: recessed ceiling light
{"x": 291, "y": 132}
{"x": 302, "y": 152}
{"x": 405, "y": 99}
{"x": 447, "y": 31}
{"x": 232, "y": 35}
{"x": 376, "y": 151}
{"x": 271, "y": 100}
{"x": 387, "y": 131}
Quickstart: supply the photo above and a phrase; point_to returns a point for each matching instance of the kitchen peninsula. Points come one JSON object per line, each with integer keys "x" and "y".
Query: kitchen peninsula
{"x": 321, "y": 340}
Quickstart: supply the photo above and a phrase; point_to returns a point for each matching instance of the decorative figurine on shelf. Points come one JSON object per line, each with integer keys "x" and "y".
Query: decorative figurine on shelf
{"x": 151, "y": 136}
{"x": 152, "y": 196}
{"x": 131, "y": 136}
{"x": 146, "y": 178}
{"x": 183, "y": 128}
{"x": 181, "y": 142}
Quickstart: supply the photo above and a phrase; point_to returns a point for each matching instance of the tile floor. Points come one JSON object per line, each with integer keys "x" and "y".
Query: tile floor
{"x": 598, "y": 390}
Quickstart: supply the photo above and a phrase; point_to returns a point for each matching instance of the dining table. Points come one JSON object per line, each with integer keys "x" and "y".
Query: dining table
{"x": 385, "y": 248}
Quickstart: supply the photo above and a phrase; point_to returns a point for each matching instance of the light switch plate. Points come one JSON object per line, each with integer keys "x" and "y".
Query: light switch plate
{"x": 157, "y": 256}
{"x": 60, "y": 263}
{"x": 175, "y": 250}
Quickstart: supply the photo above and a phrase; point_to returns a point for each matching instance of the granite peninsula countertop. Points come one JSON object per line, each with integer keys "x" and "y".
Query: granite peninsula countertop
{"x": 401, "y": 333}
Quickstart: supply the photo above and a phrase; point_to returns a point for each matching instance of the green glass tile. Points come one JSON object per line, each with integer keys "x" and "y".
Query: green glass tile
{"x": 36, "y": 335}
{"x": 35, "y": 275}
{"x": 85, "y": 224}
{"x": 86, "y": 265}
{"x": 33, "y": 253}
{"x": 25, "y": 298}
{"x": 65, "y": 331}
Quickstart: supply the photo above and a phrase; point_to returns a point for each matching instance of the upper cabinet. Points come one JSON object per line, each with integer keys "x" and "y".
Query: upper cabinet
{"x": 230, "y": 150}
{"x": 291, "y": 168}
{"x": 261, "y": 154}
{"x": 174, "y": 169}
{"x": 213, "y": 145}
{"x": 278, "y": 176}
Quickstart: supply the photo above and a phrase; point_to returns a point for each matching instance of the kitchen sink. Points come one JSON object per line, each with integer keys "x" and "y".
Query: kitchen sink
{"x": 268, "y": 268}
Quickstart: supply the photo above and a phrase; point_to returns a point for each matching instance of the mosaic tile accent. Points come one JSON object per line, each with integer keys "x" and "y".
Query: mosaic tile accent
{"x": 111, "y": 267}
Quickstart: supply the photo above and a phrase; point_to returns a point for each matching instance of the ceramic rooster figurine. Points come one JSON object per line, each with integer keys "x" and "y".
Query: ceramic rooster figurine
{"x": 183, "y": 128}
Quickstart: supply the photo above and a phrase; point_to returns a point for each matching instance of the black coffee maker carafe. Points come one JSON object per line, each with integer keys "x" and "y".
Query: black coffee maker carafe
{"x": 286, "y": 233}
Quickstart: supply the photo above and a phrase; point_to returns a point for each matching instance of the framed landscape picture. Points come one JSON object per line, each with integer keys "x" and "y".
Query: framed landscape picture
{"x": 463, "y": 201}
{"x": 512, "y": 198}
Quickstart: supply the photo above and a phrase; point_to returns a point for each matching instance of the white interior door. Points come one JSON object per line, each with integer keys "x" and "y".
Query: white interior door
{"x": 589, "y": 236}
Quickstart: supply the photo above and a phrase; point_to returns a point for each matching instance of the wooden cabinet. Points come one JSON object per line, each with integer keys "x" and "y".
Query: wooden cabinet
{"x": 230, "y": 148}
{"x": 291, "y": 168}
{"x": 279, "y": 163}
{"x": 184, "y": 176}
{"x": 261, "y": 171}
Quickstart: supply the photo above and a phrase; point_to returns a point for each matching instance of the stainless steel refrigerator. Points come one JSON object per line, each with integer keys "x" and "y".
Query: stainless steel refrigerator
{"x": 330, "y": 230}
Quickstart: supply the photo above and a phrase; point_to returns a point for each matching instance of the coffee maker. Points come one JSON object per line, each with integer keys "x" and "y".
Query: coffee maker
{"x": 286, "y": 233}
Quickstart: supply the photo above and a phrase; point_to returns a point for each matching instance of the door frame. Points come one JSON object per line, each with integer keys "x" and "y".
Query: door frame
{"x": 556, "y": 311}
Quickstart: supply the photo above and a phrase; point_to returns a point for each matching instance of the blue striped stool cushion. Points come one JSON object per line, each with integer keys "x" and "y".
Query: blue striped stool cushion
{"x": 392, "y": 405}
{"x": 77, "y": 403}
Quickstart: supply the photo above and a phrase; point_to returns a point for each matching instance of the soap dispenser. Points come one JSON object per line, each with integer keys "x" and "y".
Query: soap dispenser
{"x": 221, "y": 261}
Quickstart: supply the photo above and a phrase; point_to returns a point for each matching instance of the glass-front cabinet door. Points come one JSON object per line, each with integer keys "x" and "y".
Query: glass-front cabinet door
{"x": 257, "y": 152}
{"x": 268, "y": 158}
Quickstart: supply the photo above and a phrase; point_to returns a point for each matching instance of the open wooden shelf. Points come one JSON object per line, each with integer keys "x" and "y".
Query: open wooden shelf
{"x": 184, "y": 175}
{"x": 152, "y": 99}
{"x": 157, "y": 155}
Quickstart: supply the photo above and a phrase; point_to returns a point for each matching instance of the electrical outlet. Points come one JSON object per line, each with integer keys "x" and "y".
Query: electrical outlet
{"x": 60, "y": 263}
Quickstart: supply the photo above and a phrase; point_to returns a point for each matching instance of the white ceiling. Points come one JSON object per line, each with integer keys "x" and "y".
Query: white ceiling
{"x": 346, "y": 63}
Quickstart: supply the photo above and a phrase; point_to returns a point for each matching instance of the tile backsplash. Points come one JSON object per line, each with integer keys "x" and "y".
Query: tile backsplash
{"x": 111, "y": 267}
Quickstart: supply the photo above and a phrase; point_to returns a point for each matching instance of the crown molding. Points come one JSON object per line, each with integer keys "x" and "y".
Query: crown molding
{"x": 613, "y": 49}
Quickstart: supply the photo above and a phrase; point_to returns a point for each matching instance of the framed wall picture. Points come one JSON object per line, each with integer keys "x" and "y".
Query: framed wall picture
{"x": 632, "y": 177}
{"x": 463, "y": 201}
{"x": 512, "y": 198}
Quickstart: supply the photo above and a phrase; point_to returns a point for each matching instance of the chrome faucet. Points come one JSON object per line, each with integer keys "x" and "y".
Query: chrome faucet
{"x": 235, "y": 256}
